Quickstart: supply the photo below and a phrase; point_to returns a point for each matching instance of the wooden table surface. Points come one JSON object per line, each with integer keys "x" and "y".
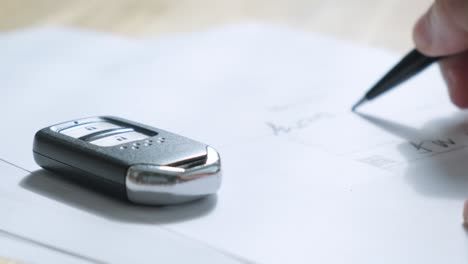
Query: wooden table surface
{"x": 380, "y": 23}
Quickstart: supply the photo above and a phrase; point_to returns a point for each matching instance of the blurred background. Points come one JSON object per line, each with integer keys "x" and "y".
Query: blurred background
{"x": 380, "y": 23}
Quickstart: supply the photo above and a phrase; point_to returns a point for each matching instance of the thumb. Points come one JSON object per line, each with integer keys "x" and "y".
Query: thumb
{"x": 443, "y": 29}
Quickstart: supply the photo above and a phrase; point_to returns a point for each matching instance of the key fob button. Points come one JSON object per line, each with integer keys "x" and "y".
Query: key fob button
{"x": 87, "y": 129}
{"x": 118, "y": 139}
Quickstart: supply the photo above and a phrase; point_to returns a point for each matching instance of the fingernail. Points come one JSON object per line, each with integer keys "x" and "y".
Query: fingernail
{"x": 431, "y": 31}
{"x": 465, "y": 214}
{"x": 422, "y": 35}
{"x": 423, "y": 31}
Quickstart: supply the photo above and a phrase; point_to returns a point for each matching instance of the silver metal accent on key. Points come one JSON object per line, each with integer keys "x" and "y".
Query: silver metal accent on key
{"x": 147, "y": 183}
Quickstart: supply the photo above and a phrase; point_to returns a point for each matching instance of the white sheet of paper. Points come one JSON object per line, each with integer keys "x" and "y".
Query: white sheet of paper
{"x": 16, "y": 249}
{"x": 69, "y": 219}
{"x": 305, "y": 180}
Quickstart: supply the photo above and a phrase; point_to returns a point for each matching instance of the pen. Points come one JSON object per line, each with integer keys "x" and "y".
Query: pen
{"x": 413, "y": 63}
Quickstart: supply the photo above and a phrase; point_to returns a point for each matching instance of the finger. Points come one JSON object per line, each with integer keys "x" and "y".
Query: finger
{"x": 465, "y": 214}
{"x": 454, "y": 70}
{"x": 443, "y": 29}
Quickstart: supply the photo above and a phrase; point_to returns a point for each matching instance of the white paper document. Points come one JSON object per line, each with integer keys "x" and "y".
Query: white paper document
{"x": 305, "y": 180}
{"x": 17, "y": 249}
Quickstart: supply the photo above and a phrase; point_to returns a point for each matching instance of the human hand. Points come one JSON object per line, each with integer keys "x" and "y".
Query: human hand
{"x": 465, "y": 214}
{"x": 443, "y": 30}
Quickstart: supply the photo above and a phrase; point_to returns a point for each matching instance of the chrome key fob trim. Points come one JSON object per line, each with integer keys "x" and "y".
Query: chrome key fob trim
{"x": 147, "y": 183}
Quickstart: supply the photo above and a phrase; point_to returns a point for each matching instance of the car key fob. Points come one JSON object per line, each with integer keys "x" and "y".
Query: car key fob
{"x": 143, "y": 164}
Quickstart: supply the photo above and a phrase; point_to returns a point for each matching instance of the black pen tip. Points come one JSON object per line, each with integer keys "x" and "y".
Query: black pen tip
{"x": 360, "y": 102}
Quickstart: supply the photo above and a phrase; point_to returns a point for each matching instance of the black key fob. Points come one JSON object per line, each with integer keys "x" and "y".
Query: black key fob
{"x": 143, "y": 164}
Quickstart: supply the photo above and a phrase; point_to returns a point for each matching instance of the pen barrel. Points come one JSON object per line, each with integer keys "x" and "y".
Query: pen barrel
{"x": 413, "y": 63}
